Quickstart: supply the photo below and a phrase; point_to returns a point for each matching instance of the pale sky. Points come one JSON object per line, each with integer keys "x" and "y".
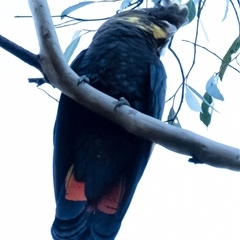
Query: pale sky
{"x": 175, "y": 200}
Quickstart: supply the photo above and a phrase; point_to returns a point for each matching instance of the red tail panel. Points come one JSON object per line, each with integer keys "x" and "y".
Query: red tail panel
{"x": 75, "y": 191}
{"x": 109, "y": 203}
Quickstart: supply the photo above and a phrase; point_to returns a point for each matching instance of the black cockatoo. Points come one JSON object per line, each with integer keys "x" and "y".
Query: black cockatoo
{"x": 97, "y": 164}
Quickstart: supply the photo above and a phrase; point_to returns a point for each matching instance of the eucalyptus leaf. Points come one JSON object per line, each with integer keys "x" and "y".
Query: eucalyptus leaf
{"x": 75, "y": 7}
{"x": 192, "y": 101}
{"x": 201, "y": 97}
{"x": 228, "y": 56}
{"x": 191, "y": 10}
{"x": 212, "y": 89}
{"x": 72, "y": 46}
{"x": 176, "y": 121}
{"x": 205, "y": 116}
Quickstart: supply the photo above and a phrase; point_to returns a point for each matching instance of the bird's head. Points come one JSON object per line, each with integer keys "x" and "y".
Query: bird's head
{"x": 169, "y": 16}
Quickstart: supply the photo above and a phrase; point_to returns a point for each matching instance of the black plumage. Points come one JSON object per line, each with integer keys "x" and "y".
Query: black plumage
{"x": 97, "y": 164}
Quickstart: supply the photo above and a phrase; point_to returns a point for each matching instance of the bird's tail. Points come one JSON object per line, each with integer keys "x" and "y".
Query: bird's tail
{"x": 77, "y": 219}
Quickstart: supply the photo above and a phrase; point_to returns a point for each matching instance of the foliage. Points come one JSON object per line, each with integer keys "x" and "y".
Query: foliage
{"x": 228, "y": 56}
{"x": 191, "y": 95}
{"x": 202, "y": 103}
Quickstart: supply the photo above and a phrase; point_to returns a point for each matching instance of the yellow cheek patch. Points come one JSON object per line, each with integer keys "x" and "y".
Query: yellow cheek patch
{"x": 150, "y": 27}
{"x": 136, "y": 21}
{"x": 132, "y": 19}
{"x": 157, "y": 31}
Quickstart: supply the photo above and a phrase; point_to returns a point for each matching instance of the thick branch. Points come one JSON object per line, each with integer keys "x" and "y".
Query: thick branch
{"x": 20, "y": 52}
{"x": 175, "y": 139}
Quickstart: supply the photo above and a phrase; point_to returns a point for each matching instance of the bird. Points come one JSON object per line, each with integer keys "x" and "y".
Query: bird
{"x": 96, "y": 163}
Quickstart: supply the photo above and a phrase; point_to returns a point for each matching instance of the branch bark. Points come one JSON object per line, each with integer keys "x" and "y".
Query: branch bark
{"x": 175, "y": 139}
{"x": 20, "y": 52}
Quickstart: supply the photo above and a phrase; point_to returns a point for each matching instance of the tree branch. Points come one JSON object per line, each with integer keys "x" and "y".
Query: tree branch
{"x": 23, "y": 54}
{"x": 175, "y": 139}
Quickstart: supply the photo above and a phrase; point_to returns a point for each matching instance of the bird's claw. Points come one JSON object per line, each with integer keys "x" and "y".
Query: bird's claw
{"x": 122, "y": 101}
{"x": 82, "y": 79}
{"x": 195, "y": 161}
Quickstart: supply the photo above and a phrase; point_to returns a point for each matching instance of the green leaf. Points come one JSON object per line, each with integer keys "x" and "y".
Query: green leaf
{"x": 212, "y": 89}
{"x": 192, "y": 101}
{"x": 191, "y": 10}
{"x": 197, "y": 93}
{"x": 72, "y": 46}
{"x": 205, "y": 116}
{"x": 228, "y": 56}
{"x": 75, "y": 7}
{"x": 200, "y": 96}
{"x": 171, "y": 115}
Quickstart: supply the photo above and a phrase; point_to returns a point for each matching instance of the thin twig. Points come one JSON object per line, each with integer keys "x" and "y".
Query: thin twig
{"x": 236, "y": 13}
{"x": 67, "y": 23}
{"x": 66, "y": 16}
{"x": 84, "y": 20}
{"x": 48, "y": 94}
{"x": 173, "y": 96}
{"x": 182, "y": 84}
{"x": 212, "y": 54}
{"x": 200, "y": 7}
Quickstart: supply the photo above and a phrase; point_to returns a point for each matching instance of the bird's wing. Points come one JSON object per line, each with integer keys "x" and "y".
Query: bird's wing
{"x": 158, "y": 89}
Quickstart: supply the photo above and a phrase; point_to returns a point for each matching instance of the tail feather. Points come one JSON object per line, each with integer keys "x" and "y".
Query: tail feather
{"x": 105, "y": 226}
{"x": 67, "y": 210}
{"x": 86, "y": 226}
{"x": 109, "y": 203}
{"x": 77, "y": 219}
{"x": 75, "y": 191}
{"x": 71, "y": 221}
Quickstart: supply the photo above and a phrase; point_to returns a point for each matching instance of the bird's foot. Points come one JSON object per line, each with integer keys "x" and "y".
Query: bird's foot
{"x": 83, "y": 79}
{"x": 195, "y": 161}
{"x": 122, "y": 101}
